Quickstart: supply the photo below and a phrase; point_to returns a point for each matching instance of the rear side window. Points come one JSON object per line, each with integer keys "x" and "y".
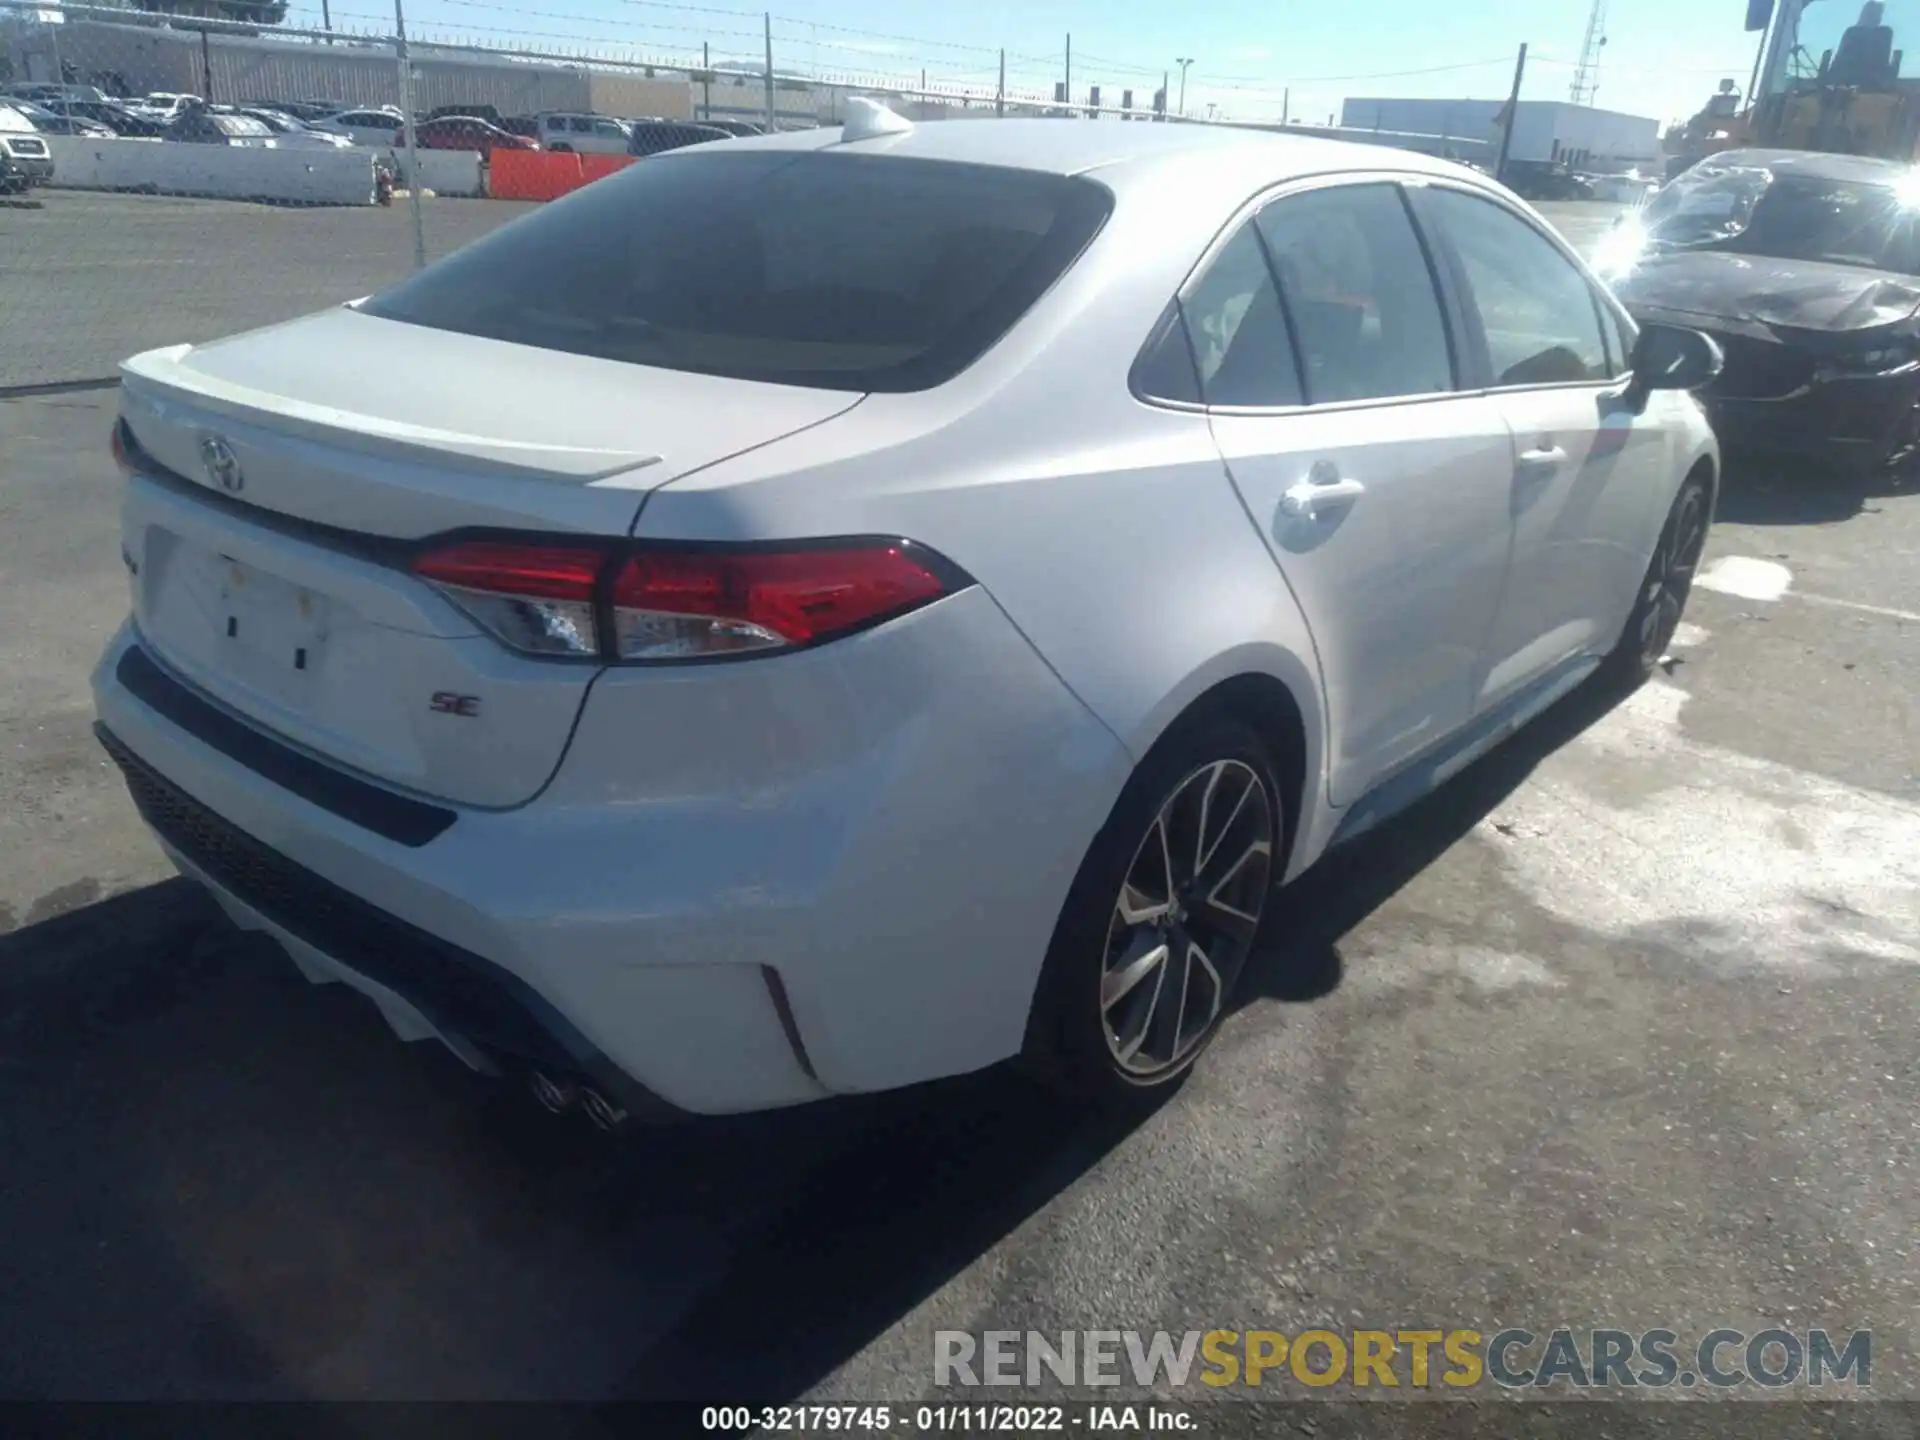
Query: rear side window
{"x": 1240, "y": 340}
{"x": 833, "y": 271}
{"x": 1360, "y": 294}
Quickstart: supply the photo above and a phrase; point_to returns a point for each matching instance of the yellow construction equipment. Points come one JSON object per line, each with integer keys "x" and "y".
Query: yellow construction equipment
{"x": 1853, "y": 100}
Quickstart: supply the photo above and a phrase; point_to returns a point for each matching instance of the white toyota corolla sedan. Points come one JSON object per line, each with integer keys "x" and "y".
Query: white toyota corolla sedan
{"x": 893, "y": 600}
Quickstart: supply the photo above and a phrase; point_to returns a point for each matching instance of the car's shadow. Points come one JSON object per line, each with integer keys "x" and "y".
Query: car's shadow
{"x": 221, "y": 1183}
{"x": 1761, "y": 489}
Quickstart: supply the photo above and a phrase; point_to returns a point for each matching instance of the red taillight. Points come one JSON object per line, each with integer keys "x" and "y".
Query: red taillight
{"x": 546, "y": 572}
{"x": 680, "y": 603}
{"x": 671, "y": 604}
{"x": 535, "y": 598}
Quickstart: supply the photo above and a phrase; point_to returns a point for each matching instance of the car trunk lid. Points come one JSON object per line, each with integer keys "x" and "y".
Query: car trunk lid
{"x": 284, "y": 478}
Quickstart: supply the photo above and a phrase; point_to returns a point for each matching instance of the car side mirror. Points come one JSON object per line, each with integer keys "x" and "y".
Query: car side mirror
{"x": 1669, "y": 357}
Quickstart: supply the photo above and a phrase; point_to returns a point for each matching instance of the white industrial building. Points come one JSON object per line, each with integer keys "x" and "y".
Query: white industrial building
{"x": 1603, "y": 141}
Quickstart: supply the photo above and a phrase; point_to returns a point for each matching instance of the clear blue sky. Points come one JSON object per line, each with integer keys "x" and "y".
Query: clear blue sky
{"x": 1663, "y": 56}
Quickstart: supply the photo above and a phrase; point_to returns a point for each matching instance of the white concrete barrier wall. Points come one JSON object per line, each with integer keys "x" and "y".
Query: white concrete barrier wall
{"x": 298, "y": 177}
{"x": 445, "y": 172}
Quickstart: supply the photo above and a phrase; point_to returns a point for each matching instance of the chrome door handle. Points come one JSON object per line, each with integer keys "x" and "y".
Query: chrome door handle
{"x": 1322, "y": 489}
{"x": 1542, "y": 458}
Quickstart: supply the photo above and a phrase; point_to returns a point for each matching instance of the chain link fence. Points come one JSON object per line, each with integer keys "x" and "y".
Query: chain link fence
{"x": 190, "y": 175}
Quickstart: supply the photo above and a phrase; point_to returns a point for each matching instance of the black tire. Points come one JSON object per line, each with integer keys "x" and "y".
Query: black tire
{"x": 1076, "y": 1035}
{"x": 1662, "y": 597}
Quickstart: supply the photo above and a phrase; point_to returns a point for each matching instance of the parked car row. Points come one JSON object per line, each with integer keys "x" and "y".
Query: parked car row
{"x": 482, "y": 128}
{"x": 83, "y": 110}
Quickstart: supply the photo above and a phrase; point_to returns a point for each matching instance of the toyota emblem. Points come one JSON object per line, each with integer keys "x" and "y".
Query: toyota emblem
{"x": 222, "y": 465}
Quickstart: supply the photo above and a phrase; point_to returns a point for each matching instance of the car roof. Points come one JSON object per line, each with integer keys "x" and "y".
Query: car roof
{"x": 1819, "y": 164}
{"x": 1063, "y": 147}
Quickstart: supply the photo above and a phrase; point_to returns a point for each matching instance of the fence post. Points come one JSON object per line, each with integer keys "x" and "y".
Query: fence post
{"x": 1000, "y": 93}
{"x": 772, "y": 123}
{"x": 413, "y": 148}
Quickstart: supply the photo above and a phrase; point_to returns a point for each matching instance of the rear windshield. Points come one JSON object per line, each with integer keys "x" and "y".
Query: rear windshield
{"x": 839, "y": 272}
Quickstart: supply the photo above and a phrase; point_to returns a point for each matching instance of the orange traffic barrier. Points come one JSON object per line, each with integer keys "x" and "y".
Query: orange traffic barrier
{"x": 532, "y": 174}
{"x": 598, "y": 167}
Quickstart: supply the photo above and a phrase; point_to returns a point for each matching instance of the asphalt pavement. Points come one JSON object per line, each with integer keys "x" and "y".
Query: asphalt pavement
{"x": 1616, "y": 1030}
{"x": 87, "y": 279}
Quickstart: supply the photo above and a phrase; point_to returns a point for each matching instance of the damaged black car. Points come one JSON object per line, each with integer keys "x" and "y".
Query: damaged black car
{"x": 1806, "y": 268}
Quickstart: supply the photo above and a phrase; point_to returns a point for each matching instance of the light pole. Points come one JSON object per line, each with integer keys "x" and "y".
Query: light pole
{"x": 1183, "y": 63}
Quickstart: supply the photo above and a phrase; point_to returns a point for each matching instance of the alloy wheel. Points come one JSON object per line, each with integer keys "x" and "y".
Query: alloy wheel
{"x": 1670, "y": 577}
{"x": 1185, "y": 919}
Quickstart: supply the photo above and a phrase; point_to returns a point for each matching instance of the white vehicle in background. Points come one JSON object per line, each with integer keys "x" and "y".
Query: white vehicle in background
{"x": 1631, "y": 188}
{"x": 563, "y": 130}
{"x": 26, "y": 159}
{"x": 375, "y": 127}
{"x": 164, "y": 105}
{"x": 895, "y": 599}
{"x": 292, "y": 134}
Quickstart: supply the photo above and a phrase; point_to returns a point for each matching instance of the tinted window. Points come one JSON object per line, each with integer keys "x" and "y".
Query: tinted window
{"x": 1240, "y": 340}
{"x": 1164, "y": 370}
{"x": 556, "y": 122}
{"x": 840, "y": 271}
{"x": 1360, "y": 294}
{"x": 1536, "y": 309}
{"x": 580, "y": 126}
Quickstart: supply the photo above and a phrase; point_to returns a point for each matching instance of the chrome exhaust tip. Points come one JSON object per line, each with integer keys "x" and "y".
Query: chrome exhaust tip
{"x": 602, "y": 1111}
{"x": 559, "y": 1096}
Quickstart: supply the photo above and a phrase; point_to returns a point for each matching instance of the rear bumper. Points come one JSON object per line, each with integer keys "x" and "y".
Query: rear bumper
{"x": 853, "y": 889}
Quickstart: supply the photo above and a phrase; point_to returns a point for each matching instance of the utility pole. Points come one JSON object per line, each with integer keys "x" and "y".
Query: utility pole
{"x": 1286, "y": 103}
{"x": 1507, "y": 115}
{"x": 1068, "y": 97}
{"x": 206, "y": 69}
{"x": 772, "y": 124}
{"x": 706, "y": 81}
{"x": 413, "y": 153}
{"x": 1183, "y": 63}
{"x": 1000, "y": 92}
{"x": 326, "y": 19}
